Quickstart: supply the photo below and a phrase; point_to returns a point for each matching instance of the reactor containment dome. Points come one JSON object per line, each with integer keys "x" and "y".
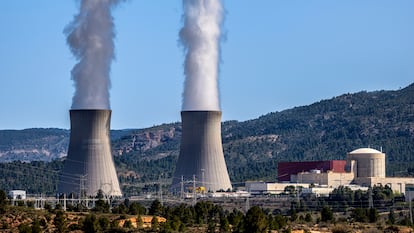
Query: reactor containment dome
{"x": 369, "y": 162}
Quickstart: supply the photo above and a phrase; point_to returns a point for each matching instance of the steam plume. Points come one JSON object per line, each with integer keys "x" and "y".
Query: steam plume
{"x": 90, "y": 37}
{"x": 200, "y": 37}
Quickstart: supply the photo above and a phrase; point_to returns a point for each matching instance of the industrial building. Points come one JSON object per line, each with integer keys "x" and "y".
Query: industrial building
{"x": 286, "y": 169}
{"x": 364, "y": 167}
{"x": 17, "y": 194}
{"x": 266, "y": 188}
{"x": 89, "y": 166}
{"x": 201, "y": 157}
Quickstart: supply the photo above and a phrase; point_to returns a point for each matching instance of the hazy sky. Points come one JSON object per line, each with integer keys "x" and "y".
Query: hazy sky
{"x": 277, "y": 54}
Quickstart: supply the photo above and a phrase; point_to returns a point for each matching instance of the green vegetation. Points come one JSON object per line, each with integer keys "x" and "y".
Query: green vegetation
{"x": 205, "y": 216}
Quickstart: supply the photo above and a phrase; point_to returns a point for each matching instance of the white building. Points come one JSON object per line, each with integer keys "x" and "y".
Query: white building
{"x": 365, "y": 167}
{"x": 264, "y": 188}
{"x": 17, "y": 194}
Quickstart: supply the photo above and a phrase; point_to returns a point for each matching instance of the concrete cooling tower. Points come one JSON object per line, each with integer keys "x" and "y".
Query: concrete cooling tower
{"x": 89, "y": 166}
{"x": 201, "y": 152}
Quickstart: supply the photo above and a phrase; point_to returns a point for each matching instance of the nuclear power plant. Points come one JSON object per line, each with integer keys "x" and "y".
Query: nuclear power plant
{"x": 363, "y": 166}
{"x": 89, "y": 166}
{"x": 201, "y": 153}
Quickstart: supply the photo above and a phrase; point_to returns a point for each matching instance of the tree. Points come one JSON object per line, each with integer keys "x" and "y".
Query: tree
{"x": 224, "y": 224}
{"x": 373, "y": 215}
{"x": 128, "y": 224}
{"x": 255, "y": 221}
{"x": 140, "y": 222}
{"x": 290, "y": 189}
{"x": 175, "y": 223}
{"x": 102, "y": 206}
{"x": 3, "y": 202}
{"x": 326, "y": 214}
{"x": 236, "y": 220}
{"x": 90, "y": 224}
{"x": 36, "y": 226}
{"x": 391, "y": 217}
{"x": 155, "y": 208}
{"x": 135, "y": 208}
{"x": 360, "y": 215}
{"x": 60, "y": 221}
{"x": 202, "y": 211}
{"x": 24, "y": 228}
{"x": 308, "y": 217}
{"x": 104, "y": 223}
{"x": 279, "y": 221}
{"x": 155, "y": 225}
{"x": 211, "y": 227}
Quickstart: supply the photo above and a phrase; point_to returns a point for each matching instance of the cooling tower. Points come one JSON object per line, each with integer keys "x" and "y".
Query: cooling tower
{"x": 89, "y": 166}
{"x": 201, "y": 152}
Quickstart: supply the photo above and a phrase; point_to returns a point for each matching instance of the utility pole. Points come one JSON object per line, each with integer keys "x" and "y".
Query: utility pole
{"x": 409, "y": 204}
{"x": 182, "y": 188}
{"x": 247, "y": 205}
{"x": 160, "y": 189}
{"x": 194, "y": 190}
{"x": 202, "y": 178}
{"x": 64, "y": 201}
{"x": 371, "y": 204}
{"x": 297, "y": 196}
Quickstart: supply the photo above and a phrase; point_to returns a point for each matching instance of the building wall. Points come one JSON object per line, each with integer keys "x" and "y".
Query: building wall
{"x": 397, "y": 184}
{"x": 17, "y": 194}
{"x": 286, "y": 169}
{"x": 330, "y": 179}
{"x": 260, "y": 187}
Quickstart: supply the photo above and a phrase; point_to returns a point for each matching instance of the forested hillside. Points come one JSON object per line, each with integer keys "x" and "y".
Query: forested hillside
{"x": 328, "y": 129}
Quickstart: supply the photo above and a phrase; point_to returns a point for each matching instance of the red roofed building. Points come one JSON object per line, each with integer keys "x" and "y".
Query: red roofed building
{"x": 286, "y": 169}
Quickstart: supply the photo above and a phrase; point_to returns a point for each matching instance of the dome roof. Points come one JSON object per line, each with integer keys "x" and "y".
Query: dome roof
{"x": 365, "y": 151}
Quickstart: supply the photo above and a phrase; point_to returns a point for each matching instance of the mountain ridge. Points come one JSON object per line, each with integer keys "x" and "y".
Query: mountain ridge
{"x": 324, "y": 130}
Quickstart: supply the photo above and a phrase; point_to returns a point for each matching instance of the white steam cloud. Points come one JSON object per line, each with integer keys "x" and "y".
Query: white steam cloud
{"x": 201, "y": 37}
{"x": 90, "y": 37}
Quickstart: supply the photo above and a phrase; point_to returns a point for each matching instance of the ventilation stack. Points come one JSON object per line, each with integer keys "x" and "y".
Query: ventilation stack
{"x": 201, "y": 153}
{"x": 89, "y": 166}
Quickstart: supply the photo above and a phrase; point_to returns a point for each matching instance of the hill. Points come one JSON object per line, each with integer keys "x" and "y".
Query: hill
{"x": 328, "y": 129}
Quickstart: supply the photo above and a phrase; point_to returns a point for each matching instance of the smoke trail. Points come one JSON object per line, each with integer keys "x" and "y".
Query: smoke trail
{"x": 90, "y": 37}
{"x": 200, "y": 37}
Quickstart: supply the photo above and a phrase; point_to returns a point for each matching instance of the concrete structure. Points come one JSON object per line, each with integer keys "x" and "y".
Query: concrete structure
{"x": 397, "y": 184}
{"x": 265, "y": 188}
{"x": 317, "y": 191}
{"x": 324, "y": 191}
{"x": 17, "y": 194}
{"x": 286, "y": 169}
{"x": 201, "y": 152}
{"x": 369, "y": 162}
{"x": 409, "y": 192}
{"x": 330, "y": 179}
{"x": 369, "y": 170}
{"x": 89, "y": 166}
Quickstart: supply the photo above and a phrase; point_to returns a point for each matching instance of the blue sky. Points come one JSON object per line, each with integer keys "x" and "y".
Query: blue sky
{"x": 277, "y": 55}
